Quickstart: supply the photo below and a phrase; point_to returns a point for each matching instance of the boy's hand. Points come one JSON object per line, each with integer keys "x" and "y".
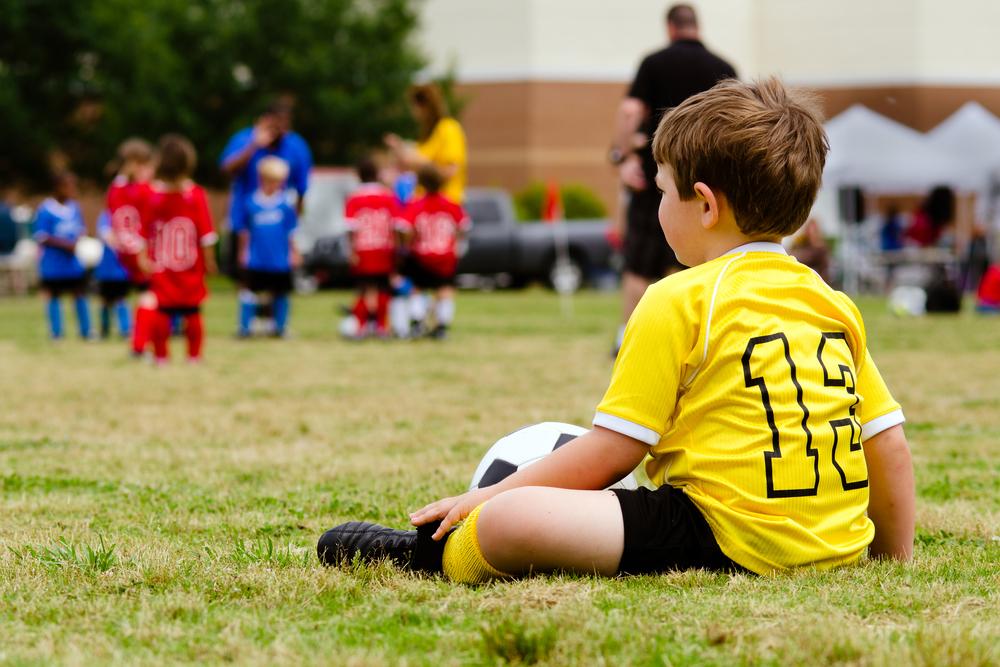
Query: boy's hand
{"x": 451, "y": 510}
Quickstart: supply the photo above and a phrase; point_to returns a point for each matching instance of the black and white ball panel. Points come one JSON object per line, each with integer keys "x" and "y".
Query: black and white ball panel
{"x": 526, "y": 446}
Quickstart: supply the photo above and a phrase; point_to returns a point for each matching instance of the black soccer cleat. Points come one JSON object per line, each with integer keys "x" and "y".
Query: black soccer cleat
{"x": 408, "y": 549}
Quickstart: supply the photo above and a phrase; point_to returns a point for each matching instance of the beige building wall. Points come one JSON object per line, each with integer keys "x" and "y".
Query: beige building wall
{"x": 544, "y": 77}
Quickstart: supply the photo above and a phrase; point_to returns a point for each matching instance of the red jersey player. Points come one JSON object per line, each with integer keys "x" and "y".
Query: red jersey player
{"x": 372, "y": 215}
{"x": 435, "y": 226}
{"x": 179, "y": 230}
{"x": 127, "y": 196}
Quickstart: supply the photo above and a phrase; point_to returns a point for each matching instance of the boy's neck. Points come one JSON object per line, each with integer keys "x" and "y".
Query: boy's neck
{"x": 175, "y": 185}
{"x": 718, "y": 246}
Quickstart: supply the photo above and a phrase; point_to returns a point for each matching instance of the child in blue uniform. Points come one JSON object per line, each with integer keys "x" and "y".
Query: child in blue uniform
{"x": 58, "y": 226}
{"x": 113, "y": 282}
{"x": 266, "y": 251}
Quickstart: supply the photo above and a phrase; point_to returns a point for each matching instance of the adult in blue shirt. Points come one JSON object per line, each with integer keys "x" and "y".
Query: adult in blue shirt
{"x": 58, "y": 226}
{"x": 271, "y": 135}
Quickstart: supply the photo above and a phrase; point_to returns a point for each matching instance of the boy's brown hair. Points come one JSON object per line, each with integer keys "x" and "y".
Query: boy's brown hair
{"x": 759, "y": 144}
{"x": 429, "y": 178}
{"x": 135, "y": 149}
{"x": 177, "y": 158}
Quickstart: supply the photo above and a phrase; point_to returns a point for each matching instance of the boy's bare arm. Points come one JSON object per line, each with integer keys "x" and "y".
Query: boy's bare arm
{"x": 891, "y": 501}
{"x": 592, "y": 461}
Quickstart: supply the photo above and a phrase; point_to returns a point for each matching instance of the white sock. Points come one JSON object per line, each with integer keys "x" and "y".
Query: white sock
{"x": 418, "y": 307}
{"x": 445, "y": 311}
{"x": 399, "y": 317}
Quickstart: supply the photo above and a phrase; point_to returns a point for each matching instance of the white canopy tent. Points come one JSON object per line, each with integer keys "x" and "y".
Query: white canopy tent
{"x": 881, "y": 157}
{"x": 971, "y": 135}
{"x": 877, "y": 154}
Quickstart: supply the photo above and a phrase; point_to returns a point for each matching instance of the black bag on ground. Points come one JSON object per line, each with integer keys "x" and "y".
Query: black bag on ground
{"x": 943, "y": 295}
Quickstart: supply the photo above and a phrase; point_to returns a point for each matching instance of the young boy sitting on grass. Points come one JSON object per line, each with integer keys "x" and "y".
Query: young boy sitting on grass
{"x": 773, "y": 441}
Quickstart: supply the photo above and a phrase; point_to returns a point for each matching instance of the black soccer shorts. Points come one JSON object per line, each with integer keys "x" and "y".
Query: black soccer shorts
{"x": 276, "y": 282}
{"x": 665, "y": 531}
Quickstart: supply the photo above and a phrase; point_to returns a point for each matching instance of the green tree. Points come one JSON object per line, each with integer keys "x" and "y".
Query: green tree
{"x": 80, "y": 76}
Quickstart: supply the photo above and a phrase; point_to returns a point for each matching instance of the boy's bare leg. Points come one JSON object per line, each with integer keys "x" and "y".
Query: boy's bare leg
{"x": 540, "y": 529}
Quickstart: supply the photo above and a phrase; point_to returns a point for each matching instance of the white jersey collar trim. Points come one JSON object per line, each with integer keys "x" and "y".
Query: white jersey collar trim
{"x": 759, "y": 246}
{"x": 264, "y": 200}
{"x": 58, "y": 208}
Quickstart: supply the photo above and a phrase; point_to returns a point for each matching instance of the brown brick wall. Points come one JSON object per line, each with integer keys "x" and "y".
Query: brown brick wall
{"x": 547, "y": 130}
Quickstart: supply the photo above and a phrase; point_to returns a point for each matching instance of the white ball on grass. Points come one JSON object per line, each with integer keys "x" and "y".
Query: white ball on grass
{"x": 349, "y": 327}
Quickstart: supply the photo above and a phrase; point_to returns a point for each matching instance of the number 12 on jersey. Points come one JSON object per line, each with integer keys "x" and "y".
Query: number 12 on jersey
{"x": 795, "y": 456}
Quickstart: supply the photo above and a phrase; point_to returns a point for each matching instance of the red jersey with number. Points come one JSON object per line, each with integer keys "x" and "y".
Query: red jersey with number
{"x": 179, "y": 228}
{"x": 372, "y": 215}
{"x": 436, "y": 224}
{"x": 125, "y": 200}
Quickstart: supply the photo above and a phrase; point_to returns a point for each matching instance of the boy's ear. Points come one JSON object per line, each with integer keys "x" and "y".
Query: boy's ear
{"x": 710, "y": 204}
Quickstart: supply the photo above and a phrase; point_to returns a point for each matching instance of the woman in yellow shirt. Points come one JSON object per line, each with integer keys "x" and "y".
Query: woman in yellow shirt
{"x": 441, "y": 142}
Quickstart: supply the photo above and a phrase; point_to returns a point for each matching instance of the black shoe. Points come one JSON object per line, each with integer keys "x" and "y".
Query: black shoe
{"x": 440, "y": 332}
{"x": 409, "y": 549}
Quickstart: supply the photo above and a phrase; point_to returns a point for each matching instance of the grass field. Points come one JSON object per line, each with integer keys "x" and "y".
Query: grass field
{"x": 170, "y": 515}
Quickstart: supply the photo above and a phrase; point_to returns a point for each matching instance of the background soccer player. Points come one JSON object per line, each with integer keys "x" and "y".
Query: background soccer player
{"x": 58, "y": 226}
{"x": 126, "y": 199}
{"x": 113, "y": 282}
{"x": 266, "y": 249}
{"x": 435, "y": 226}
{"x": 180, "y": 232}
{"x": 372, "y": 216}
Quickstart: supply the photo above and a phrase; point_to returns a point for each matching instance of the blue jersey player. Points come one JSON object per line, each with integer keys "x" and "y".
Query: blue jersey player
{"x": 113, "y": 282}
{"x": 266, "y": 251}
{"x": 58, "y": 226}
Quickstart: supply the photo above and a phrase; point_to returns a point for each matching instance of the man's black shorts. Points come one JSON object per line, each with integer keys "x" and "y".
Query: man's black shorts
{"x": 114, "y": 290}
{"x": 665, "y": 531}
{"x": 378, "y": 281}
{"x": 60, "y": 286}
{"x": 646, "y": 251}
{"x": 424, "y": 278}
{"x": 278, "y": 282}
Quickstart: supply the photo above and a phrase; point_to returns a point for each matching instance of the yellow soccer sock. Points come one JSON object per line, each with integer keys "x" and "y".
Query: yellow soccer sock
{"x": 463, "y": 559}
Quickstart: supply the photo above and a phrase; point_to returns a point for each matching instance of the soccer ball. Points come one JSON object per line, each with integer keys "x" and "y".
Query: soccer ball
{"x": 89, "y": 252}
{"x": 349, "y": 327}
{"x": 25, "y": 253}
{"x": 906, "y": 300}
{"x": 526, "y": 446}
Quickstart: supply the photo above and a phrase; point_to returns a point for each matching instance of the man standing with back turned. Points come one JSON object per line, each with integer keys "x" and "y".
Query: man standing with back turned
{"x": 664, "y": 80}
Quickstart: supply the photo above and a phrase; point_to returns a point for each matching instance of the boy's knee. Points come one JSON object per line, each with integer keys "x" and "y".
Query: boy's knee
{"x": 505, "y": 528}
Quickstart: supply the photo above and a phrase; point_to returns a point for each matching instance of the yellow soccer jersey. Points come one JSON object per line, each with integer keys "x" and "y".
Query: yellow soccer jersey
{"x": 446, "y": 146}
{"x": 751, "y": 380}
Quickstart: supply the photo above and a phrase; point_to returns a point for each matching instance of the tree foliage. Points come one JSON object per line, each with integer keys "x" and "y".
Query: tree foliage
{"x": 78, "y": 76}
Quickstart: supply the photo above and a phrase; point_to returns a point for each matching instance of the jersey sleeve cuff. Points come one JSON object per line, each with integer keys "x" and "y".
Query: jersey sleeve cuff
{"x": 209, "y": 239}
{"x": 874, "y": 427}
{"x": 625, "y": 427}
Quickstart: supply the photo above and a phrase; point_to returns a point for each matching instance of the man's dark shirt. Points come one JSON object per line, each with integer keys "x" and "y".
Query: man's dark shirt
{"x": 667, "y": 78}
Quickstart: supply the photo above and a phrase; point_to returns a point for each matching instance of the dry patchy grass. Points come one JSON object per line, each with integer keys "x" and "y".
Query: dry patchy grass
{"x": 153, "y": 516}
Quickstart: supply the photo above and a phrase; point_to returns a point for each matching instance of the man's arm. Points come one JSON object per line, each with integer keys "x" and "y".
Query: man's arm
{"x": 631, "y": 113}
{"x": 263, "y": 134}
{"x": 891, "y": 494}
{"x": 592, "y": 461}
